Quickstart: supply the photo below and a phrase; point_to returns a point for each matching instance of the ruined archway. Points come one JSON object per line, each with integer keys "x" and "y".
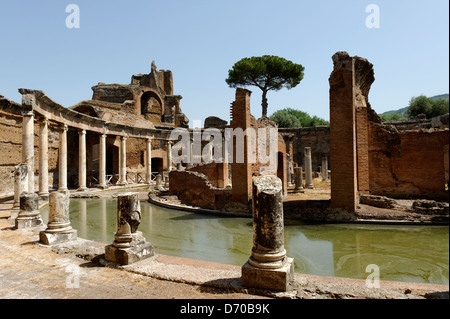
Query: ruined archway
{"x": 152, "y": 104}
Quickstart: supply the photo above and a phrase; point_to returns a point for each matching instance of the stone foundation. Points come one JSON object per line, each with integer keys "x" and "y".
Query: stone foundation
{"x": 272, "y": 279}
{"x": 139, "y": 249}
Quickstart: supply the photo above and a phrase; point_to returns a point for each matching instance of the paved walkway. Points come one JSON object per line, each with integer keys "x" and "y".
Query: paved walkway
{"x": 76, "y": 270}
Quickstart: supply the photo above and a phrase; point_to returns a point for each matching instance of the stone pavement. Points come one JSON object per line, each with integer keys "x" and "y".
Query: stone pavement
{"x": 77, "y": 270}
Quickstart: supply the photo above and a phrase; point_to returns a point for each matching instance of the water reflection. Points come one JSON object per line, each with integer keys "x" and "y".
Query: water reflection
{"x": 403, "y": 253}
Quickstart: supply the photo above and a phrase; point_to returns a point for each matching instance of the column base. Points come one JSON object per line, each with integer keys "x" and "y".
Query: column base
{"x": 28, "y": 222}
{"x": 82, "y": 189}
{"x": 271, "y": 279}
{"x": 139, "y": 249}
{"x": 57, "y": 238}
{"x": 64, "y": 190}
{"x": 43, "y": 196}
{"x": 309, "y": 186}
{"x": 102, "y": 186}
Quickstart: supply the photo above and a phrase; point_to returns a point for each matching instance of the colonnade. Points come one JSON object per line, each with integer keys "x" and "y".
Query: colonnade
{"x": 28, "y": 156}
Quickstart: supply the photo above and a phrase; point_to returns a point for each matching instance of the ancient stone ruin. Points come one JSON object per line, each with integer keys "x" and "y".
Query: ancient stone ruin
{"x": 58, "y": 229}
{"x": 268, "y": 266}
{"x": 29, "y": 215}
{"x": 129, "y": 245}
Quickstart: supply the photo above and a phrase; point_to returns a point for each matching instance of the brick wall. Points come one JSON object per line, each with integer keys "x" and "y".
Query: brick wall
{"x": 408, "y": 164}
{"x": 194, "y": 189}
{"x": 216, "y": 173}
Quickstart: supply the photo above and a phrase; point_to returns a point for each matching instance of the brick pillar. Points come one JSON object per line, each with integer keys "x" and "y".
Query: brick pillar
{"x": 241, "y": 172}
{"x": 362, "y": 146}
{"x": 350, "y": 83}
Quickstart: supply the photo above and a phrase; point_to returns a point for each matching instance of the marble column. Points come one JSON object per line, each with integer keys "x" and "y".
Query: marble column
{"x": 308, "y": 169}
{"x": 58, "y": 229}
{"x": 102, "y": 162}
{"x": 191, "y": 155}
{"x": 298, "y": 176}
{"x": 82, "y": 160}
{"x": 129, "y": 244}
{"x": 268, "y": 266}
{"x": 169, "y": 156}
{"x": 20, "y": 185}
{"x": 29, "y": 215}
{"x": 43, "y": 159}
{"x": 123, "y": 162}
{"x": 148, "y": 162}
{"x": 28, "y": 146}
{"x": 63, "y": 158}
{"x": 324, "y": 169}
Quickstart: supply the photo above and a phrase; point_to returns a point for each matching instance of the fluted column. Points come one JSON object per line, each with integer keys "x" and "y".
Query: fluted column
{"x": 63, "y": 158}
{"x": 123, "y": 162}
{"x": 43, "y": 158}
{"x": 148, "y": 162}
{"x": 82, "y": 160}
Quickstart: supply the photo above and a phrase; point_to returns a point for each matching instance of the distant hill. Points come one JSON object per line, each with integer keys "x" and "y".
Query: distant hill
{"x": 402, "y": 110}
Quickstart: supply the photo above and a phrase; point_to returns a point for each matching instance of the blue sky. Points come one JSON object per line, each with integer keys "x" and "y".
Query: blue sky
{"x": 200, "y": 40}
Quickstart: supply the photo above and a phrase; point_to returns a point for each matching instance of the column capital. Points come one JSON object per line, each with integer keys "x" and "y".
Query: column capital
{"x": 63, "y": 128}
{"x": 82, "y": 132}
{"x": 43, "y": 120}
{"x": 28, "y": 104}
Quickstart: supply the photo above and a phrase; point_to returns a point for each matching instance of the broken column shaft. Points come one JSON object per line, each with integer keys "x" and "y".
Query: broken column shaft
{"x": 129, "y": 245}
{"x": 298, "y": 179}
{"x": 268, "y": 267}
{"x": 58, "y": 229}
{"x": 29, "y": 211}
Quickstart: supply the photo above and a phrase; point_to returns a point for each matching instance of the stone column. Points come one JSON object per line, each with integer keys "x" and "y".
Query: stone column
{"x": 20, "y": 184}
{"x": 102, "y": 163}
{"x": 28, "y": 146}
{"x": 298, "y": 176}
{"x": 63, "y": 159}
{"x": 169, "y": 156}
{"x": 82, "y": 160}
{"x": 308, "y": 169}
{"x": 324, "y": 169}
{"x": 148, "y": 162}
{"x": 43, "y": 159}
{"x": 129, "y": 244}
{"x": 58, "y": 226}
{"x": 158, "y": 185}
{"x": 191, "y": 155}
{"x": 29, "y": 212}
{"x": 123, "y": 162}
{"x": 268, "y": 267}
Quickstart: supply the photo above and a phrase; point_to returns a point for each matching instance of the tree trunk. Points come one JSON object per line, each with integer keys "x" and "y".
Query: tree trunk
{"x": 264, "y": 103}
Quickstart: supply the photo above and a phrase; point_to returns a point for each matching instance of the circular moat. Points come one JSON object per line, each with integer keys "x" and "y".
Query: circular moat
{"x": 402, "y": 253}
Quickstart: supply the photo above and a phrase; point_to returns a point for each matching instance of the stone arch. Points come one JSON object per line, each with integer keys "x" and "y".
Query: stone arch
{"x": 151, "y": 103}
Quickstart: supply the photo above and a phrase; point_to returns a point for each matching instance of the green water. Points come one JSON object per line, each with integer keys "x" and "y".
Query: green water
{"x": 402, "y": 253}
